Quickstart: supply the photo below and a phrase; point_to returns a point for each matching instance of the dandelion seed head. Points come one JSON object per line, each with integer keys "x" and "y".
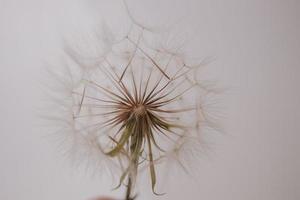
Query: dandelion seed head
{"x": 133, "y": 105}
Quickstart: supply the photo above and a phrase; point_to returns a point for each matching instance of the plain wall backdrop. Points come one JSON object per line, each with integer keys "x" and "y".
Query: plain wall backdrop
{"x": 257, "y": 49}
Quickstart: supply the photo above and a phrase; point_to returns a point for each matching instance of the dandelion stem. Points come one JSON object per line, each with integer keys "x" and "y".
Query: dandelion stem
{"x": 128, "y": 190}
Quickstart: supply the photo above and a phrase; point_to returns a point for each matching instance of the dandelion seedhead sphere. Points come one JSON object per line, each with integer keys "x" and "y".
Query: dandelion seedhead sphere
{"x": 133, "y": 103}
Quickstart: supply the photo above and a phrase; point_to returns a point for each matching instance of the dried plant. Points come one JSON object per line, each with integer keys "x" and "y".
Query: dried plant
{"x": 134, "y": 104}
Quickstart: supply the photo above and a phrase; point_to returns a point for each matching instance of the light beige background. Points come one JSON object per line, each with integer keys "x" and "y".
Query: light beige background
{"x": 256, "y": 44}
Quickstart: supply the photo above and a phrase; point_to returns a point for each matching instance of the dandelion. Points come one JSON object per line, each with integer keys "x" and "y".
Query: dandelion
{"x": 133, "y": 105}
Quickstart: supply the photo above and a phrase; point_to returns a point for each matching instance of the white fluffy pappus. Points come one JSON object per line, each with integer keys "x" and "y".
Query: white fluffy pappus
{"x": 131, "y": 104}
